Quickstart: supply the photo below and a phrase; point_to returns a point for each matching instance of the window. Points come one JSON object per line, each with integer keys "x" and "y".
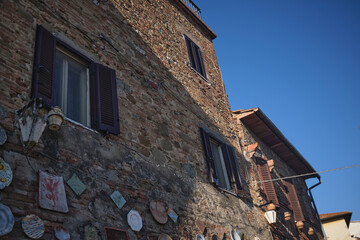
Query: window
{"x": 294, "y": 200}
{"x": 195, "y": 56}
{"x": 265, "y": 175}
{"x": 85, "y": 90}
{"x": 222, "y": 164}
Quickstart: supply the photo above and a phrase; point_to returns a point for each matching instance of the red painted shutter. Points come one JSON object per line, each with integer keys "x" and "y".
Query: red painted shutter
{"x": 235, "y": 167}
{"x": 294, "y": 201}
{"x": 106, "y": 101}
{"x": 209, "y": 156}
{"x": 43, "y": 69}
{"x": 268, "y": 186}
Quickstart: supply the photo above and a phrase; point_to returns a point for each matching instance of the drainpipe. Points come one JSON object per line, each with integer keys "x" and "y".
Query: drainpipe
{"x": 313, "y": 202}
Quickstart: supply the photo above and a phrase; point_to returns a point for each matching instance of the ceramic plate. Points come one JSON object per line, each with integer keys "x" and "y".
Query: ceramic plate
{"x": 164, "y": 236}
{"x": 134, "y": 220}
{"x": 200, "y": 237}
{"x": 235, "y": 235}
{"x": 33, "y": 226}
{"x": 61, "y": 233}
{"x": 6, "y": 174}
{"x": 6, "y": 220}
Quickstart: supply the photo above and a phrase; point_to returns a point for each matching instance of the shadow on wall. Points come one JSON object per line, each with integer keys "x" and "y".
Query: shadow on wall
{"x": 157, "y": 156}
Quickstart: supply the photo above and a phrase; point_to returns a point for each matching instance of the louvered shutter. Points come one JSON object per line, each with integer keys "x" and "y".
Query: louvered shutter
{"x": 106, "y": 102}
{"x": 228, "y": 165}
{"x": 268, "y": 186}
{"x": 202, "y": 66}
{"x": 190, "y": 51}
{"x": 294, "y": 201}
{"x": 43, "y": 69}
{"x": 209, "y": 156}
{"x": 235, "y": 167}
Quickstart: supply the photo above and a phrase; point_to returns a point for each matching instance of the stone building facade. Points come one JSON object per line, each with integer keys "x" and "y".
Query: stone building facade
{"x": 152, "y": 143}
{"x": 271, "y": 159}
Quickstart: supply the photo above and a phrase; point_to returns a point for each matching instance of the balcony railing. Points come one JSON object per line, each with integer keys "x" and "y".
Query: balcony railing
{"x": 193, "y": 7}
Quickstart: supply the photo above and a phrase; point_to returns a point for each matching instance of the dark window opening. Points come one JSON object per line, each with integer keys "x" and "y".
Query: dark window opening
{"x": 195, "y": 57}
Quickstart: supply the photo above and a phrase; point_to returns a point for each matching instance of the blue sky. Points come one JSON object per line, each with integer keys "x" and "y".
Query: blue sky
{"x": 299, "y": 61}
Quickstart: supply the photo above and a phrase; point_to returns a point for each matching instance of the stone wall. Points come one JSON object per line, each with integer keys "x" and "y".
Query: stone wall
{"x": 157, "y": 156}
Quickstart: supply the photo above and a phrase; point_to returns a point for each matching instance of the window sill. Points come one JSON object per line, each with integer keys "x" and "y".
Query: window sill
{"x": 197, "y": 73}
{"x": 79, "y": 124}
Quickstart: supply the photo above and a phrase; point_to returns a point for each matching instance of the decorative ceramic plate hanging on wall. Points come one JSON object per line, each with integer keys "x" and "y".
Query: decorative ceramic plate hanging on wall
{"x": 52, "y": 194}
{"x": 61, "y": 233}
{"x": 134, "y": 220}
{"x": 33, "y": 226}
{"x": 6, "y": 220}
{"x": 200, "y": 237}
{"x": 6, "y": 174}
{"x": 3, "y": 136}
{"x": 164, "y": 236}
{"x": 235, "y": 235}
{"x": 172, "y": 214}
{"x": 158, "y": 210}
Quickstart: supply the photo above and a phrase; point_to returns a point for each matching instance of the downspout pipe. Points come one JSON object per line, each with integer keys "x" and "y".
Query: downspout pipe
{"x": 313, "y": 202}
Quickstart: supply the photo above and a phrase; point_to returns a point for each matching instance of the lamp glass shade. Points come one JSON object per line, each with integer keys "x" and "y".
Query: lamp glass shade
{"x": 270, "y": 216}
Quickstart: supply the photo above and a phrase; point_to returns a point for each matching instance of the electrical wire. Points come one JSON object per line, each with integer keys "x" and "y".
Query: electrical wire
{"x": 307, "y": 174}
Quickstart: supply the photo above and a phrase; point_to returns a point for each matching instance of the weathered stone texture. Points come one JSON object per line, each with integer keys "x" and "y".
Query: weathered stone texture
{"x": 162, "y": 101}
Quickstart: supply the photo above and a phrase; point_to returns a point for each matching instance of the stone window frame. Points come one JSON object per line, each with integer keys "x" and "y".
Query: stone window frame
{"x": 103, "y": 91}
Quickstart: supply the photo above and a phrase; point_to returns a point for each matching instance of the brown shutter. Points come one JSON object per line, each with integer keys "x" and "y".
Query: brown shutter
{"x": 294, "y": 200}
{"x": 106, "y": 102}
{"x": 235, "y": 167}
{"x": 190, "y": 51}
{"x": 265, "y": 176}
{"x": 43, "y": 69}
{"x": 228, "y": 165}
{"x": 209, "y": 156}
{"x": 202, "y": 66}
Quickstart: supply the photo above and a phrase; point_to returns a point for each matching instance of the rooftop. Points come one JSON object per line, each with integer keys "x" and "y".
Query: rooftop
{"x": 328, "y": 216}
{"x": 262, "y": 127}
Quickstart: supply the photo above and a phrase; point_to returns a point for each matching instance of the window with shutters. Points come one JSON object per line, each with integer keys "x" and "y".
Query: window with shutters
{"x": 222, "y": 163}
{"x": 268, "y": 185}
{"x": 294, "y": 200}
{"x": 195, "y": 57}
{"x": 85, "y": 90}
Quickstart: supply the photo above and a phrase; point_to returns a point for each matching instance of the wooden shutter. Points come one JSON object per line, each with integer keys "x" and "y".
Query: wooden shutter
{"x": 43, "y": 69}
{"x": 106, "y": 102}
{"x": 268, "y": 186}
{"x": 294, "y": 200}
{"x": 235, "y": 167}
{"x": 202, "y": 63}
{"x": 190, "y": 51}
{"x": 209, "y": 156}
{"x": 228, "y": 165}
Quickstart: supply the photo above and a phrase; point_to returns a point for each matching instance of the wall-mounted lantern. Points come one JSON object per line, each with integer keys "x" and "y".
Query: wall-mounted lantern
{"x": 287, "y": 216}
{"x": 310, "y": 231}
{"x": 300, "y": 225}
{"x": 55, "y": 118}
{"x": 270, "y": 216}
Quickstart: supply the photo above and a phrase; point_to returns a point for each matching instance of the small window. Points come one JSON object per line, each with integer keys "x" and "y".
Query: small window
{"x": 72, "y": 86}
{"x": 195, "y": 56}
{"x": 85, "y": 90}
{"x": 223, "y": 167}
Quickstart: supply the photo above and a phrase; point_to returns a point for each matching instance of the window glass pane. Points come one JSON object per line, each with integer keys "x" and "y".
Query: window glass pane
{"x": 77, "y": 91}
{"x": 220, "y": 165}
{"x": 71, "y": 88}
{"x": 59, "y": 79}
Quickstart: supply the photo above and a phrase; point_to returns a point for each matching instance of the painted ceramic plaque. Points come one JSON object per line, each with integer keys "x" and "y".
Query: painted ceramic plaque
{"x": 172, "y": 215}
{"x": 6, "y": 174}
{"x": 76, "y": 184}
{"x": 116, "y": 234}
{"x": 52, "y": 194}
{"x": 3, "y": 136}
{"x": 118, "y": 199}
{"x": 33, "y": 226}
{"x": 91, "y": 233}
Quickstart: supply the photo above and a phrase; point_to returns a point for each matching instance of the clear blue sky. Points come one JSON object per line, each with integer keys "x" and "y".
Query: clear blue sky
{"x": 299, "y": 61}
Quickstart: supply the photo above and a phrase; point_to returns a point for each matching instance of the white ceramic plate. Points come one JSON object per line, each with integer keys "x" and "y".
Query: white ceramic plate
{"x": 134, "y": 220}
{"x": 235, "y": 235}
{"x": 200, "y": 237}
{"x": 6, "y": 220}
